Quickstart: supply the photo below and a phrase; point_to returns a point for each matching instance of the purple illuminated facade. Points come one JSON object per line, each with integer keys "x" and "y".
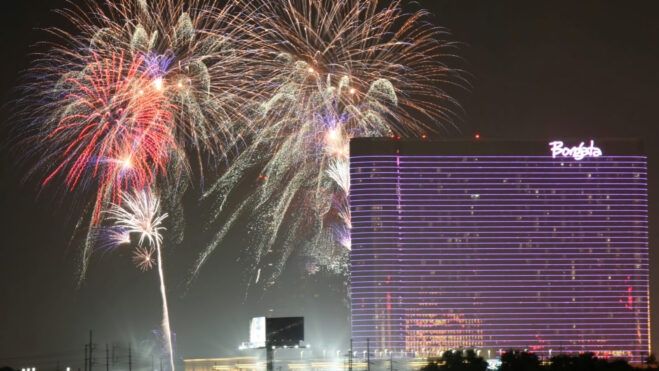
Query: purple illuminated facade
{"x": 496, "y": 245}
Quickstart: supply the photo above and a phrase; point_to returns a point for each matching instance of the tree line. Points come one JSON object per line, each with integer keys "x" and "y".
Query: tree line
{"x": 514, "y": 360}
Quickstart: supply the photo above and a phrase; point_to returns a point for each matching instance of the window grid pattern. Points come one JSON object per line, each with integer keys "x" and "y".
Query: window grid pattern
{"x": 500, "y": 252}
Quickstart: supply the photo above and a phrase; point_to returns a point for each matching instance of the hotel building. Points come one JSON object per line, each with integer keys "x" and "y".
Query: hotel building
{"x": 498, "y": 245}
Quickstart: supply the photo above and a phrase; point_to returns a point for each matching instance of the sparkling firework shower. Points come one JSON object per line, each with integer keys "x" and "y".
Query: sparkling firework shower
{"x": 198, "y": 56}
{"x": 266, "y": 94}
{"x": 140, "y": 213}
{"x": 335, "y": 70}
{"x": 138, "y": 94}
{"x": 115, "y": 129}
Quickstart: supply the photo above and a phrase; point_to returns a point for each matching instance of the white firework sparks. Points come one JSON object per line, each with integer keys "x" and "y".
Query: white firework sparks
{"x": 140, "y": 213}
{"x": 335, "y": 70}
{"x": 339, "y": 171}
{"x": 143, "y": 258}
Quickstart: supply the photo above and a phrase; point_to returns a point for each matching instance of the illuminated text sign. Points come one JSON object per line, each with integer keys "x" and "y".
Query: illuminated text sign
{"x": 577, "y": 152}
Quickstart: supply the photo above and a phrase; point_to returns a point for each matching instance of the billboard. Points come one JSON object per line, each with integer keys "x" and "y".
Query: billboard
{"x": 257, "y": 332}
{"x": 284, "y": 331}
{"x": 278, "y": 332}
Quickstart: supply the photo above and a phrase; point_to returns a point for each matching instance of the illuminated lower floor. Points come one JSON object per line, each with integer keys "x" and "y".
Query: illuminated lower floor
{"x": 313, "y": 364}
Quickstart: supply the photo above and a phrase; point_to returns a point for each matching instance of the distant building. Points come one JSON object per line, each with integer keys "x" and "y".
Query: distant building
{"x": 499, "y": 244}
{"x": 224, "y": 364}
{"x": 285, "y": 364}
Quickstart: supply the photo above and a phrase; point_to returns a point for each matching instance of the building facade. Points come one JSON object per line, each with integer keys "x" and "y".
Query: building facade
{"x": 498, "y": 245}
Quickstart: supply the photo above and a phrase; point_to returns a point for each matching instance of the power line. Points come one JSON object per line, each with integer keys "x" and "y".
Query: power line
{"x": 40, "y": 356}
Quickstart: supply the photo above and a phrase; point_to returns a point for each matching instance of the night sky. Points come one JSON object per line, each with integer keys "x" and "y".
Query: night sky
{"x": 537, "y": 70}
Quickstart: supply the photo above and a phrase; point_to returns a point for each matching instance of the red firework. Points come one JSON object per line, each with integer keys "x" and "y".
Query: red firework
{"x": 116, "y": 128}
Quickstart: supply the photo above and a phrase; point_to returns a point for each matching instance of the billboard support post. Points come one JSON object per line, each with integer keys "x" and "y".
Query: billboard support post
{"x": 273, "y": 332}
{"x": 269, "y": 355}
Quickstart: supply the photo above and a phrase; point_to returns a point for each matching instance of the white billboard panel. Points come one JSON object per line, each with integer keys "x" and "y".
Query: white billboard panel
{"x": 257, "y": 332}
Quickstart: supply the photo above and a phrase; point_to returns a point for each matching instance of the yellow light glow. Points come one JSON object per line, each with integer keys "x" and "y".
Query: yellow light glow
{"x": 127, "y": 163}
{"x": 333, "y": 135}
{"x": 158, "y": 83}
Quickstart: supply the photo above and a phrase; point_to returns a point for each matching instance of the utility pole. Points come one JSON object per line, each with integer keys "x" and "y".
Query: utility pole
{"x": 107, "y": 357}
{"x": 114, "y": 355}
{"x": 86, "y": 361}
{"x": 91, "y": 351}
{"x": 368, "y": 354}
{"x": 391, "y": 360}
{"x": 350, "y": 357}
{"x": 160, "y": 363}
{"x": 269, "y": 355}
{"x": 130, "y": 359}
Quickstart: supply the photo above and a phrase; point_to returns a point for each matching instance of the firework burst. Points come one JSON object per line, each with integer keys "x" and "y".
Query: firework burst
{"x": 114, "y": 128}
{"x": 336, "y": 70}
{"x": 144, "y": 94}
{"x": 143, "y": 258}
{"x": 140, "y": 213}
{"x": 197, "y": 56}
{"x": 109, "y": 238}
{"x": 136, "y": 93}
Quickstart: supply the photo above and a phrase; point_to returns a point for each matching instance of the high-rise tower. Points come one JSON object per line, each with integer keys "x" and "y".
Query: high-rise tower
{"x": 500, "y": 244}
